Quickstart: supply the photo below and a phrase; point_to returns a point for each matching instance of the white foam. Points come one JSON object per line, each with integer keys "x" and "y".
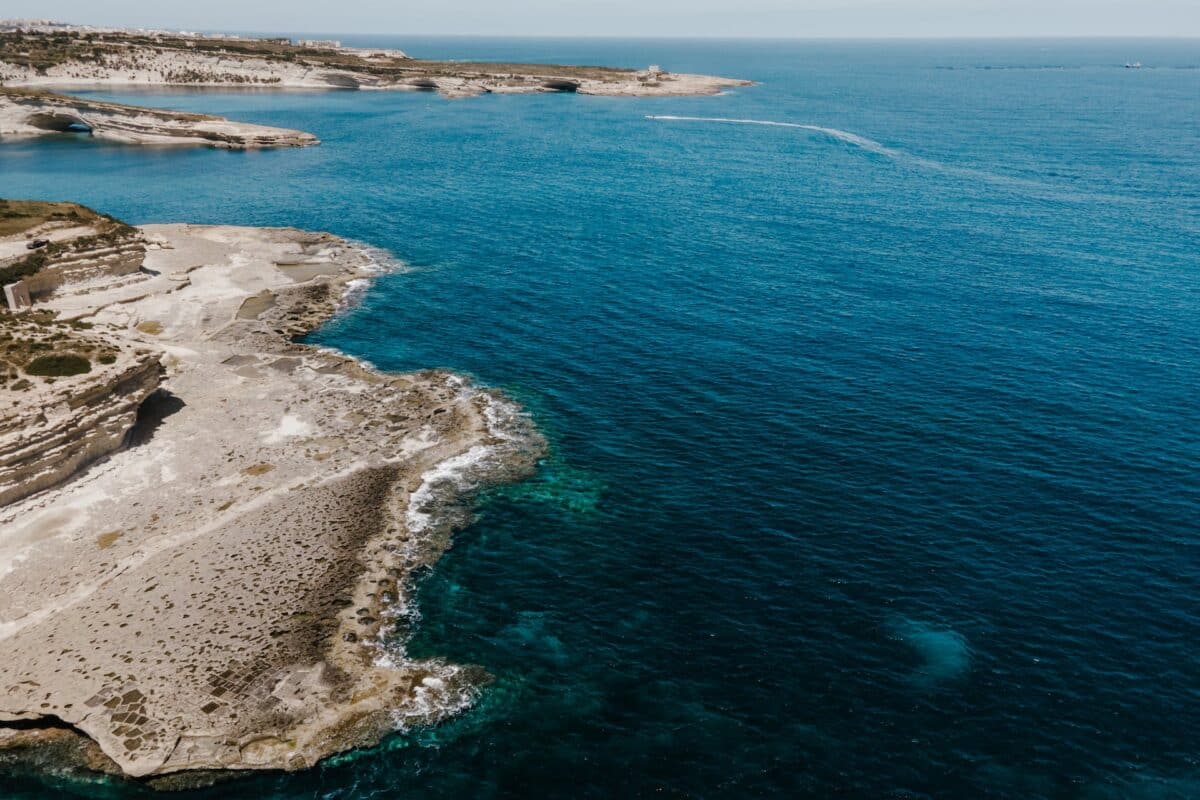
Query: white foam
{"x": 446, "y": 691}
{"x": 452, "y": 470}
{"x": 458, "y": 471}
{"x": 355, "y": 289}
{"x": 436, "y": 697}
{"x": 378, "y": 261}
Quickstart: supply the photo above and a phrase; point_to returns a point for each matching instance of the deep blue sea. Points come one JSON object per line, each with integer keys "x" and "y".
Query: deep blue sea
{"x": 875, "y": 445}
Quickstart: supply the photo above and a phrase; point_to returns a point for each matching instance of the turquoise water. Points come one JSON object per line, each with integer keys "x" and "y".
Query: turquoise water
{"x": 874, "y": 448}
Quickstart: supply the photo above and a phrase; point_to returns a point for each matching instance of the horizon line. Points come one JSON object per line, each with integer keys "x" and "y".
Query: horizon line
{"x": 739, "y": 37}
{"x": 682, "y": 36}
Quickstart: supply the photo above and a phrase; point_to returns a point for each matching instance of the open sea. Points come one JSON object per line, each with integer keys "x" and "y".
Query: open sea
{"x": 875, "y": 430}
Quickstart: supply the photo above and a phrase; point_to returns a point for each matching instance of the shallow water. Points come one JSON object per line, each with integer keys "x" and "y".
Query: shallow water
{"x": 874, "y": 440}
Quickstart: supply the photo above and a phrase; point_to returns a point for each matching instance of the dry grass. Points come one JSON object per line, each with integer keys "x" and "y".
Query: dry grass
{"x": 18, "y": 216}
{"x": 41, "y": 51}
{"x": 107, "y": 540}
{"x": 35, "y": 343}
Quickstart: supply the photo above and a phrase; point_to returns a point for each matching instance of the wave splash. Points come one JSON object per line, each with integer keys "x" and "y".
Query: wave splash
{"x": 377, "y": 261}
{"x": 435, "y": 508}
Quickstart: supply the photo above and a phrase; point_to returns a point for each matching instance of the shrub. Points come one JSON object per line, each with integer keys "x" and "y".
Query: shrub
{"x": 27, "y": 266}
{"x": 59, "y": 365}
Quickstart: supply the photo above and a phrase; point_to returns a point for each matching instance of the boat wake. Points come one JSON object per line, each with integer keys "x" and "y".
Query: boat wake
{"x": 870, "y": 145}
{"x": 1031, "y": 187}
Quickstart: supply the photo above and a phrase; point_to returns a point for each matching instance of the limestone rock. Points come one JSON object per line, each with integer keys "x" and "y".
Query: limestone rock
{"x": 39, "y": 113}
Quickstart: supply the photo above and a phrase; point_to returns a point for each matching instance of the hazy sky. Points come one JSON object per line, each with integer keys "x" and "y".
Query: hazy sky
{"x": 784, "y": 18}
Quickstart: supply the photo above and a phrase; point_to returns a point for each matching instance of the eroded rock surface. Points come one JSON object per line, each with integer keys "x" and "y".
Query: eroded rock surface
{"x": 40, "y": 113}
{"x": 62, "y": 55}
{"x": 49, "y": 431}
{"x": 213, "y": 596}
{"x": 69, "y": 393}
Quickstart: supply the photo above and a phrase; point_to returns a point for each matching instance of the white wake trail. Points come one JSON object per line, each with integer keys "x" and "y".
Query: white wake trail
{"x": 1033, "y": 188}
{"x": 844, "y": 136}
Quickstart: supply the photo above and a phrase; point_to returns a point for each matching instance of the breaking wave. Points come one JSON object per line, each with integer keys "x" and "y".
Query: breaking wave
{"x": 436, "y": 506}
{"x": 378, "y": 261}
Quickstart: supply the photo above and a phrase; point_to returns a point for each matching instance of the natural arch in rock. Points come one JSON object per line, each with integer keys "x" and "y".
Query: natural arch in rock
{"x": 59, "y": 121}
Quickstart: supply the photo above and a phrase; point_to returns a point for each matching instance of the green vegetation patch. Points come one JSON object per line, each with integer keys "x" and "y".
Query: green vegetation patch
{"x": 30, "y": 265}
{"x": 59, "y": 365}
{"x": 128, "y": 51}
{"x": 36, "y": 343}
{"x": 19, "y": 217}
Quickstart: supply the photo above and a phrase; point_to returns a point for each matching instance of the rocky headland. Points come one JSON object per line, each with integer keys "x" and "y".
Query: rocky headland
{"x": 40, "y": 54}
{"x": 208, "y": 529}
{"x": 34, "y": 112}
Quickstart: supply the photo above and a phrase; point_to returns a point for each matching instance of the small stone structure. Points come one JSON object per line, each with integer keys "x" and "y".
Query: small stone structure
{"x": 17, "y": 296}
{"x": 652, "y": 75}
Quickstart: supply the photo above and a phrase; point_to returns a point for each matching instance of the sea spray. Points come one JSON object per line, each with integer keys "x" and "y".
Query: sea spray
{"x": 433, "y": 511}
{"x": 377, "y": 261}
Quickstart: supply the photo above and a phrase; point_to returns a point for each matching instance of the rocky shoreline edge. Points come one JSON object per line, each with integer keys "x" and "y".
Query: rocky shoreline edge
{"x": 35, "y": 54}
{"x": 222, "y": 595}
{"x": 27, "y": 113}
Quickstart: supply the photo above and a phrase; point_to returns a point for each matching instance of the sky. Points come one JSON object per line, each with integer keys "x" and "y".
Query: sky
{"x": 767, "y": 18}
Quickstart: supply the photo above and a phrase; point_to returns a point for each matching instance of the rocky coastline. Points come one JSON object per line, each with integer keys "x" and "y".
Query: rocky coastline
{"x": 217, "y": 593}
{"x": 210, "y": 530}
{"x": 64, "y": 56}
{"x": 32, "y": 112}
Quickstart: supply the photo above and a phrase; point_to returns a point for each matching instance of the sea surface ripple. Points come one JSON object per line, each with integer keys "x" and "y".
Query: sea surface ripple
{"x": 875, "y": 444}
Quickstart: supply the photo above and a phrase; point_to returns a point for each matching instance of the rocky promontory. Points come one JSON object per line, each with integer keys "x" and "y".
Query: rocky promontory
{"x": 37, "y": 54}
{"x": 227, "y": 589}
{"x": 69, "y": 392}
{"x": 33, "y": 112}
